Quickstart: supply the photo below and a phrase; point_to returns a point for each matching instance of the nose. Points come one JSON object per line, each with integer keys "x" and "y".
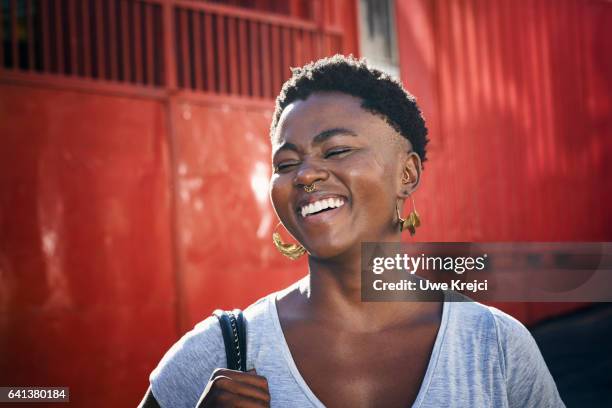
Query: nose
{"x": 309, "y": 173}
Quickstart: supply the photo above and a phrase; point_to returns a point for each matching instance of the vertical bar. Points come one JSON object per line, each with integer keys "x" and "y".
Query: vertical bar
{"x": 112, "y": 22}
{"x": 308, "y": 53}
{"x": 244, "y": 58}
{"x": 149, "y": 34}
{"x": 44, "y": 15}
{"x": 30, "y": 42}
{"x": 137, "y": 42}
{"x": 210, "y": 56}
{"x": 126, "y": 40}
{"x": 100, "y": 40}
{"x": 58, "y": 38}
{"x": 185, "y": 48}
{"x": 73, "y": 37}
{"x": 86, "y": 39}
{"x": 197, "y": 45}
{"x": 255, "y": 67}
{"x": 265, "y": 58}
{"x": 1, "y": 37}
{"x": 14, "y": 40}
{"x": 233, "y": 55}
{"x": 287, "y": 54}
{"x": 221, "y": 42}
{"x": 169, "y": 52}
{"x": 276, "y": 60}
{"x": 298, "y": 49}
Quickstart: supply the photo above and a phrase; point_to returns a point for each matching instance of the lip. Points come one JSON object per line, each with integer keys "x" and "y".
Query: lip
{"x": 311, "y": 198}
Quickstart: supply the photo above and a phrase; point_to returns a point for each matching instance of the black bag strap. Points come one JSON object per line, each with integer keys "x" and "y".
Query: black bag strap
{"x": 233, "y": 328}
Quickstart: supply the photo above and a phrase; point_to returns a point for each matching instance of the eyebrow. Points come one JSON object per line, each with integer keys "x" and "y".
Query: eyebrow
{"x": 318, "y": 139}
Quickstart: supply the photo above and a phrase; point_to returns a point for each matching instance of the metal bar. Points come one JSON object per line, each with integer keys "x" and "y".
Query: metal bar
{"x": 1, "y": 37}
{"x": 185, "y": 49}
{"x": 276, "y": 60}
{"x": 221, "y": 41}
{"x": 233, "y": 55}
{"x": 296, "y": 41}
{"x": 137, "y": 42}
{"x": 44, "y": 15}
{"x": 112, "y": 19}
{"x": 86, "y": 39}
{"x": 244, "y": 58}
{"x": 197, "y": 49}
{"x": 73, "y": 37}
{"x": 169, "y": 51}
{"x": 59, "y": 46}
{"x": 265, "y": 58}
{"x": 30, "y": 17}
{"x": 100, "y": 40}
{"x": 126, "y": 40}
{"x": 255, "y": 64}
{"x": 210, "y": 56}
{"x": 14, "y": 34}
{"x": 287, "y": 54}
{"x": 247, "y": 14}
{"x": 149, "y": 38}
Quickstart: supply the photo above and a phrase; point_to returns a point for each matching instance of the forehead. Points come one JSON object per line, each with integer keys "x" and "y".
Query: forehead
{"x": 321, "y": 111}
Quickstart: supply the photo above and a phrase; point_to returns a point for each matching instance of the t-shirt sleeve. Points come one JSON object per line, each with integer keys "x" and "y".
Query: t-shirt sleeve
{"x": 183, "y": 372}
{"x": 529, "y": 382}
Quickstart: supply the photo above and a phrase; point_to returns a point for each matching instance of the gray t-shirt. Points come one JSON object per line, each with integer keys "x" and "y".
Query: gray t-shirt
{"x": 482, "y": 357}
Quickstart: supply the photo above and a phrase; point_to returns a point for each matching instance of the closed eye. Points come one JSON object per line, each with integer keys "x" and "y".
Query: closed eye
{"x": 337, "y": 152}
{"x": 285, "y": 166}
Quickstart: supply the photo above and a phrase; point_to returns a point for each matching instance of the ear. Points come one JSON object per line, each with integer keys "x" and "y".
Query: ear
{"x": 410, "y": 174}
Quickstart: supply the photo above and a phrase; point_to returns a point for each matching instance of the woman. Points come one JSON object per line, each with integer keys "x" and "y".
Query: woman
{"x": 348, "y": 144}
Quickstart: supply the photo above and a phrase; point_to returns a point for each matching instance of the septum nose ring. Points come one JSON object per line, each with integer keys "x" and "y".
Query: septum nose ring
{"x": 310, "y": 188}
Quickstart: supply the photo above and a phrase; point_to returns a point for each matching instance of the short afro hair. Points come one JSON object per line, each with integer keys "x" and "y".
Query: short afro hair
{"x": 381, "y": 94}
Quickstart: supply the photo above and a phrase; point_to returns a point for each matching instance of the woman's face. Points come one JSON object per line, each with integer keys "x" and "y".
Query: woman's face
{"x": 354, "y": 157}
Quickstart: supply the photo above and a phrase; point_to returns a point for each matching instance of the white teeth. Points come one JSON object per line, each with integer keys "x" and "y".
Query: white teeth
{"x": 321, "y": 205}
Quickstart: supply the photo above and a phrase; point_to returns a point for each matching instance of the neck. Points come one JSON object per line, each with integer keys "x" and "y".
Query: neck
{"x": 332, "y": 291}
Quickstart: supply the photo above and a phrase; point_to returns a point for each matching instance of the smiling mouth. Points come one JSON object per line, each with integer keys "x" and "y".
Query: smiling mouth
{"x": 320, "y": 206}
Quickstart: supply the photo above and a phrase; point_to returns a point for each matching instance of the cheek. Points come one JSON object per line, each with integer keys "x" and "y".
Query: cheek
{"x": 371, "y": 183}
{"x": 279, "y": 193}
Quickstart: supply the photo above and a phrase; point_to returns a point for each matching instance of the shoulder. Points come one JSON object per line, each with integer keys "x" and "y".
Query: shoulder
{"x": 513, "y": 349}
{"x": 184, "y": 370}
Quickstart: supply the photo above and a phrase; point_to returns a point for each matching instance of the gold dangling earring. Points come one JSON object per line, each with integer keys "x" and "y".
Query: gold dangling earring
{"x": 412, "y": 222}
{"x": 291, "y": 251}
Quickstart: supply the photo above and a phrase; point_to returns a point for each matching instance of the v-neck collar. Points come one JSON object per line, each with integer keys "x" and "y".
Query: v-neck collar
{"x": 431, "y": 366}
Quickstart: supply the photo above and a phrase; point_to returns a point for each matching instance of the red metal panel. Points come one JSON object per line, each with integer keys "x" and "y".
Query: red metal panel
{"x": 126, "y": 41}
{"x": 86, "y": 250}
{"x": 73, "y": 37}
{"x": 504, "y": 108}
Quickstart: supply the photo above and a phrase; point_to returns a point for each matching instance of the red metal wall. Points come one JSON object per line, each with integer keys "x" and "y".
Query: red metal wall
{"x": 87, "y": 286}
{"x": 517, "y": 98}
